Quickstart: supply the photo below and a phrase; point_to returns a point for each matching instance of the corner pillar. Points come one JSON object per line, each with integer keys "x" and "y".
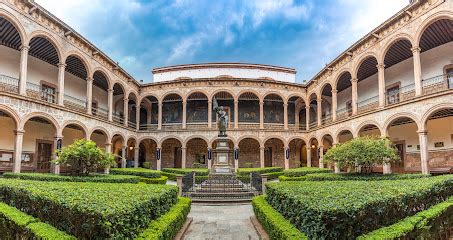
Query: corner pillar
{"x": 23, "y": 70}
{"x": 417, "y": 71}
{"x": 423, "y": 138}
{"x": 18, "y": 140}
{"x": 61, "y": 71}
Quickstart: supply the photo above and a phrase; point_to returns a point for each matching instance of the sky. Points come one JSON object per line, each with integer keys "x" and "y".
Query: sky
{"x": 301, "y": 34}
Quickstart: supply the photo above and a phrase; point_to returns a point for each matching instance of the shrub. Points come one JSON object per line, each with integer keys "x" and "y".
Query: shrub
{"x": 141, "y": 172}
{"x": 60, "y": 178}
{"x": 200, "y": 179}
{"x": 297, "y": 172}
{"x": 363, "y": 152}
{"x": 247, "y": 171}
{"x": 161, "y": 180}
{"x": 170, "y": 176}
{"x": 351, "y": 177}
{"x": 346, "y": 209}
{"x": 147, "y": 165}
{"x": 169, "y": 224}
{"x": 273, "y": 222}
{"x": 84, "y": 157}
{"x": 428, "y": 224}
{"x": 15, "y": 224}
{"x": 104, "y": 210}
{"x": 184, "y": 171}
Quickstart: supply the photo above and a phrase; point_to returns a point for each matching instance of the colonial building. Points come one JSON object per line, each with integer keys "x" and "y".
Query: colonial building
{"x": 395, "y": 82}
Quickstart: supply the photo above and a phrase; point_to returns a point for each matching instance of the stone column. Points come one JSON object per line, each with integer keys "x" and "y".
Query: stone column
{"x": 123, "y": 156}
{"x": 126, "y": 110}
{"x": 149, "y": 113}
{"x": 110, "y": 104}
{"x": 158, "y": 159}
{"x": 18, "y": 140}
{"x": 108, "y": 149}
{"x": 56, "y": 167}
{"x": 261, "y": 156}
{"x": 136, "y": 152}
{"x": 183, "y": 157}
{"x": 137, "y": 117}
{"x": 354, "y": 95}
{"x": 61, "y": 69}
{"x": 89, "y": 94}
{"x": 319, "y": 110}
{"x": 285, "y": 115}
{"x": 209, "y": 114}
{"x": 309, "y": 155}
{"x": 261, "y": 114}
{"x": 23, "y": 70}
{"x": 336, "y": 168}
{"x": 381, "y": 84}
{"x": 334, "y": 104}
{"x": 307, "y": 117}
{"x": 321, "y": 156}
{"x": 423, "y": 138}
{"x": 159, "y": 121}
{"x": 417, "y": 71}
{"x": 386, "y": 167}
{"x": 286, "y": 157}
{"x": 184, "y": 114}
{"x": 236, "y": 114}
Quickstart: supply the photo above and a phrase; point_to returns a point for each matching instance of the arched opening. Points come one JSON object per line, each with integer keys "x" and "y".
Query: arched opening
{"x": 369, "y": 130}
{"x": 297, "y": 153}
{"x": 148, "y": 153}
{"x": 439, "y": 126}
{"x": 172, "y": 110}
{"x": 327, "y": 143}
{"x": 10, "y": 43}
{"x": 344, "y": 136}
{"x": 226, "y": 100}
{"x": 314, "y": 151}
{"x": 130, "y": 152}
{"x": 171, "y": 153}
{"x": 197, "y": 153}
{"x": 294, "y": 105}
{"x": 118, "y": 148}
{"x": 132, "y": 108}
{"x": 99, "y": 137}
{"x": 249, "y": 110}
{"x": 274, "y": 153}
{"x": 403, "y": 133}
{"x": 273, "y": 110}
{"x": 313, "y": 111}
{"x": 75, "y": 87}
{"x": 197, "y": 109}
{"x": 302, "y": 115}
{"x": 42, "y": 73}
{"x": 149, "y": 113}
{"x": 100, "y": 105}
{"x": 72, "y": 133}
{"x": 367, "y": 85}
{"x": 344, "y": 96}
{"x": 436, "y": 44}
{"x": 326, "y": 104}
{"x": 7, "y": 128}
{"x": 249, "y": 153}
{"x": 118, "y": 107}
{"x": 38, "y": 144}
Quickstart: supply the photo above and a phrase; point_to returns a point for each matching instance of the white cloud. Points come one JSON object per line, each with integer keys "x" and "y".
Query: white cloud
{"x": 287, "y": 9}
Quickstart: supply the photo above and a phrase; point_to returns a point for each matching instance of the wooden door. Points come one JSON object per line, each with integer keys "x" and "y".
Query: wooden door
{"x": 268, "y": 157}
{"x": 44, "y": 155}
{"x": 177, "y": 157}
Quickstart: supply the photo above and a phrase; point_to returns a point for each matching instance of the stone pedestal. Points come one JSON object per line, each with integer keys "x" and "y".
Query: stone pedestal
{"x": 222, "y": 162}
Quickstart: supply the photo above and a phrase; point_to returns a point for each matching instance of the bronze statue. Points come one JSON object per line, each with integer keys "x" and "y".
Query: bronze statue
{"x": 223, "y": 118}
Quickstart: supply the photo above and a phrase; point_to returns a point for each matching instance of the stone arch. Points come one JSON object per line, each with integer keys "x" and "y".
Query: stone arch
{"x": 44, "y": 115}
{"x": 430, "y": 112}
{"x": 427, "y": 22}
{"x": 366, "y": 123}
{"x": 132, "y": 137}
{"x": 76, "y": 123}
{"x": 297, "y": 138}
{"x": 184, "y": 143}
{"x": 252, "y": 137}
{"x": 103, "y": 130}
{"x": 17, "y": 24}
{"x": 394, "y": 117}
{"x": 339, "y": 74}
{"x": 360, "y": 60}
{"x": 107, "y": 76}
{"x": 162, "y": 140}
{"x": 170, "y": 93}
{"x": 141, "y": 139}
{"x": 257, "y": 94}
{"x": 123, "y": 137}
{"x": 393, "y": 40}
{"x": 82, "y": 58}
{"x": 235, "y": 97}
{"x": 275, "y": 93}
{"x": 325, "y": 133}
{"x": 145, "y": 96}
{"x": 12, "y": 114}
{"x": 301, "y": 96}
{"x": 186, "y": 96}
{"x": 285, "y": 143}
{"x": 340, "y": 130}
{"x": 50, "y": 38}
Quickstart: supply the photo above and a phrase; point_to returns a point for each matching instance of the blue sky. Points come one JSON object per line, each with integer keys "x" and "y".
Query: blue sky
{"x": 301, "y": 34}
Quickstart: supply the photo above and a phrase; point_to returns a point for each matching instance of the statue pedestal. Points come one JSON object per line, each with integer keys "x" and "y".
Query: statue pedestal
{"x": 222, "y": 162}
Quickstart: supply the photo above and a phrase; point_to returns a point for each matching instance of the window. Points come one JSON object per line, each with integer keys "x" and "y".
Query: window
{"x": 393, "y": 94}
{"x": 48, "y": 93}
{"x": 449, "y": 73}
{"x": 94, "y": 108}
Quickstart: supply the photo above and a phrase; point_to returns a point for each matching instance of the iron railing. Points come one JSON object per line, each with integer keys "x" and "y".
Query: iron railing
{"x": 327, "y": 118}
{"x": 343, "y": 113}
{"x": 101, "y": 112}
{"x": 403, "y": 94}
{"x": 75, "y": 103}
{"x": 148, "y": 127}
{"x": 437, "y": 84}
{"x": 131, "y": 124}
{"x": 313, "y": 124}
{"x": 117, "y": 118}
{"x": 256, "y": 181}
{"x": 368, "y": 104}
{"x": 9, "y": 84}
{"x": 35, "y": 91}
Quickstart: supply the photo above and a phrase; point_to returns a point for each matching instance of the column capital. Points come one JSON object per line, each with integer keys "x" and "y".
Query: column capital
{"x": 61, "y": 65}
{"x": 19, "y": 132}
{"x": 209, "y": 101}
{"x": 183, "y": 148}
{"x": 58, "y": 137}
{"x": 108, "y": 144}
{"x": 354, "y": 80}
{"x": 110, "y": 90}
{"x": 416, "y": 49}
{"x": 126, "y": 99}
{"x": 307, "y": 107}
{"x": 285, "y": 104}
{"x": 24, "y": 48}
{"x": 261, "y": 103}
{"x": 380, "y": 66}
{"x": 334, "y": 91}
{"x": 90, "y": 79}
{"x": 262, "y": 147}
{"x": 318, "y": 99}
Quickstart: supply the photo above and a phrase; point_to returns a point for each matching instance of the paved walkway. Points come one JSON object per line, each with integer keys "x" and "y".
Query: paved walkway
{"x": 221, "y": 222}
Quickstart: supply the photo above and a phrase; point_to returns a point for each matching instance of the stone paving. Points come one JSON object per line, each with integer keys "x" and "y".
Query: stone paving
{"x": 221, "y": 222}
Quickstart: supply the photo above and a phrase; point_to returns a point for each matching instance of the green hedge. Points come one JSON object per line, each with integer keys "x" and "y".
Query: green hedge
{"x": 247, "y": 171}
{"x": 273, "y": 222}
{"x": 61, "y": 178}
{"x": 170, "y": 176}
{"x": 184, "y": 171}
{"x": 347, "y": 209}
{"x": 351, "y": 177}
{"x": 169, "y": 224}
{"x": 104, "y": 210}
{"x": 297, "y": 172}
{"x": 141, "y": 172}
{"x": 428, "y": 224}
{"x": 161, "y": 180}
{"x": 15, "y": 224}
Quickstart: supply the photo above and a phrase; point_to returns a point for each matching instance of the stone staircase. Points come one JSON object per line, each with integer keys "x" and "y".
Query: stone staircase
{"x": 221, "y": 188}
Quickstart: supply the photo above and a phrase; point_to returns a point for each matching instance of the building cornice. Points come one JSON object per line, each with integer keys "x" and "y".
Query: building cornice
{"x": 223, "y": 65}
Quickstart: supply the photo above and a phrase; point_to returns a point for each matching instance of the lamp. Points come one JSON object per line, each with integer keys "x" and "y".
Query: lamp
{"x": 313, "y": 146}
{"x": 130, "y": 148}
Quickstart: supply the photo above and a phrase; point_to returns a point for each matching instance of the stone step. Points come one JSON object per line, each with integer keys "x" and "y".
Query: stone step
{"x": 211, "y": 195}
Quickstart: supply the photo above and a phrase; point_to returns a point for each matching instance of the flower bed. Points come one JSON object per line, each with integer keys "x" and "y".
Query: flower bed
{"x": 60, "y": 178}
{"x": 84, "y": 210}
{"x": 346, "y": 209}
{"x": 141, "y": 172}
{"x": 351, "y": 177}
{"x": 297, "y": 172}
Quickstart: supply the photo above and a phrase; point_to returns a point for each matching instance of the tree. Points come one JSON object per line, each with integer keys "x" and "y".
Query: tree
{"x": 362, "y": 153}
{"x": 84, "y": 157}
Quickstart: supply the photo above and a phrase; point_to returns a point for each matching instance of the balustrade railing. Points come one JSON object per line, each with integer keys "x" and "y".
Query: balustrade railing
{"x": 437, "y": 84}
{"x": 368, "y": 104}
{"x": 148, "y": 127}
{"x": 403, "y": 94}
{"x": 245, "y": 125}
{"x": 343, "y": 113}
{"x": 35, "y": 91}
{"x": 9, "y": 84}
{"x": 326, "y": 118}
{"x": 197, "y": 125}
{"x": 131, "y": 124}
{"x": 172, "y": 126}
{"x": 117, "y": 118}
{"x": 277, "y": 126}
{"x": 75, "y": 103}
{"x": 313, "y": 124}
{"x": 101, "y": 112}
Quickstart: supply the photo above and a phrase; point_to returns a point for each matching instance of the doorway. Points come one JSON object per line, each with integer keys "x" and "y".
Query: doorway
{"x": 268, "y": 157}
{"x": 177, "y": 156}
{"x": 44, "y": 155}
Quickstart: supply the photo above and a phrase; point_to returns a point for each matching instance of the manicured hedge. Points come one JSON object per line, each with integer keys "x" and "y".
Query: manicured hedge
{"x": 141, "y": 172}
{"x": 15, "y": 224}
{"x": 161, "y": 180}
{"x": 170, "y": 176}
{"x": 247, "y": 171}
{"x": 351, "y": 177}
{"x": 297, "y": 172}
{"x": 104, "y": 210}
{"x": 273, "y": 222}
{"x": 184, "y": 171}
{"x": 347, "y": 209}
{"x": 60, "y": 178}
{"x": 169, "y": 224}
{"x": 429, "y": 224}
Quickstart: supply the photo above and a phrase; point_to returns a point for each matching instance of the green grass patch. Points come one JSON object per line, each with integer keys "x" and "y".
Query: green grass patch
{"x": 347, "y": 209}
{"x": 297, "y": 172}
{"x": 105, "y": 178}
{"x": 428, "y": 224}
{"x": 161, "y": 180}
{"x": 15, "y": 224}
{"x": 184, "y": 171}
{"x": 273, "y": 222}
{"x": 351, "y": 177}
{"x": 83, "y": 209}
{"x": 169, "y": 224}
{"x": 141, "y": 172}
